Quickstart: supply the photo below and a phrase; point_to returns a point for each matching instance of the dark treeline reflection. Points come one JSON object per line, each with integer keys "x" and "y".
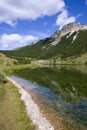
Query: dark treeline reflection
{"x": 70, "y": 84}
{"x": 61, "y": 88}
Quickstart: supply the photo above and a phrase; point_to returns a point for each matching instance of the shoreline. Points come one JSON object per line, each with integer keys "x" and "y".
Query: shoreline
{"x": 32, "y": 109}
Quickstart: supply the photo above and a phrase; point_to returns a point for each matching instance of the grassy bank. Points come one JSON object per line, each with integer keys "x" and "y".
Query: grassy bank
{"x": 13, "y": 115}
{"x": 10, "y": 69}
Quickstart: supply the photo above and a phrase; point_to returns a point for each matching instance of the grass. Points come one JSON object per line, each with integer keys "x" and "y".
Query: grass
{"x": 10, "y": 69}
{"x": 13, "y": 115}
{"x": 81, "y": 60}
{"x": 2, "y": 93}
{"x": 6, "y": 61}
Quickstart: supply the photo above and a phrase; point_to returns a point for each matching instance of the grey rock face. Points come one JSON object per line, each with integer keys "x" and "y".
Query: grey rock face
{"x": 69, "y": 28}
{"x": 72, "y": 27}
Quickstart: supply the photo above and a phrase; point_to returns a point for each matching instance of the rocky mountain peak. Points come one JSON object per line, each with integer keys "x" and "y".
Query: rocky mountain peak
{"x": 71, "y": 27}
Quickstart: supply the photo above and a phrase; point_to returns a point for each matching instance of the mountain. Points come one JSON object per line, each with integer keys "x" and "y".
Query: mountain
{"x": 68, "y": 45}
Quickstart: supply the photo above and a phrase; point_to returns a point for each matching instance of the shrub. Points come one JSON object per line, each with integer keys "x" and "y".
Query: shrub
{"x": 2, "y": 78}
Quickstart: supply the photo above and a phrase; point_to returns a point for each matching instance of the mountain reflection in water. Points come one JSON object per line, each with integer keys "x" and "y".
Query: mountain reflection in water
{"x": 63, "y": 89}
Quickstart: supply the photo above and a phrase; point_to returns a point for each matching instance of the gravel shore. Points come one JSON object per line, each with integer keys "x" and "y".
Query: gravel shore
{"x": 32, "y": 109}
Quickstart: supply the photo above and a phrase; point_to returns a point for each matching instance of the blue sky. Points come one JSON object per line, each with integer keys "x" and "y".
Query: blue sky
{"x": 23, "y": 22}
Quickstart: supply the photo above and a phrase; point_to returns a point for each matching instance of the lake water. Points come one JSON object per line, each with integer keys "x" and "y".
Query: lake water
{"x": 61, "y": 92}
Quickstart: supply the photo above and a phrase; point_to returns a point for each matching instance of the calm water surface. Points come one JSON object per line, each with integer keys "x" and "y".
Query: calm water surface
{"x": 61, "y": 89}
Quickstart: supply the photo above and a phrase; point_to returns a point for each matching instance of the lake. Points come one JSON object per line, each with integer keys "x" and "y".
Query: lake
{"x": 60, "y": 92}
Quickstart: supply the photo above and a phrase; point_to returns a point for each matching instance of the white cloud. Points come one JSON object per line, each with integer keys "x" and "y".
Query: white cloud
{"x": 15, "y": 40}
{"x": 63, "y": 18}
{"x": 12, "y": 10}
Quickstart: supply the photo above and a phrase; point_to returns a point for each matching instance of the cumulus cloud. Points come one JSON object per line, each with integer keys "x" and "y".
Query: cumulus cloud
{"x": 11, "y": 10}
{"x": 15, "y": 40}
{"x": 64, "y": 19}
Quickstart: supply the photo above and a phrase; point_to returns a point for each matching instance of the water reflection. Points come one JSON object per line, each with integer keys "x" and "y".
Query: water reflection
{"x": 63, "y": 89}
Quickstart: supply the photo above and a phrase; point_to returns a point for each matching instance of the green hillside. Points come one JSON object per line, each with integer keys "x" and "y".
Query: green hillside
{"x": 70, "y": 47}
{"x": 44, "y": 50}
{"x": 6, "y": 61}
